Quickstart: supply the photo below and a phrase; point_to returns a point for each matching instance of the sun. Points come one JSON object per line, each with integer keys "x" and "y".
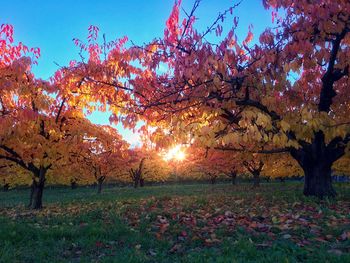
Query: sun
{"x": 175, "y": 153}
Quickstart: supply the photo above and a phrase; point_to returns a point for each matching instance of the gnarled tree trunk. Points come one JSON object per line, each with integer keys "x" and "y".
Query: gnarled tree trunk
{"x": 318, "y": 179}
{"x": 316, "y": 160}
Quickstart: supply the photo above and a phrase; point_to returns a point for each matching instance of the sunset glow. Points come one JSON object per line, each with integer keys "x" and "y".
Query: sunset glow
{"x": 175, "y": 153}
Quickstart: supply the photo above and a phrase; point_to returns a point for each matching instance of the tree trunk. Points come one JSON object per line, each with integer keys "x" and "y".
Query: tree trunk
{"x": 99, "y": 187}
{"x": 31, "y": 193}
{"x": 142, "y": 182}
{"x": 233, "y": 178}
{"x": 100, "y": 181}
{"x": 213, "y": 180}
{"x": 256, "y": 179}
{"x": 137, "y": 174}
{"x": 282, "y": 179}
{"x": 6, "y": 187}
{"x": 137, "y": 179}
{"x": 318, "y": 180}
{"x": 316, "y": 160}
{"x": 73, "y": 185}
{"x": 37, "y": 196}
{"x": 37, "y": 188}
{"x": 255, "y": 169}
{"x": 136, "y": 182}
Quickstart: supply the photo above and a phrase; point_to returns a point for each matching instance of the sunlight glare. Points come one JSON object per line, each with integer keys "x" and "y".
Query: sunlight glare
{"x": 175, "y": 153}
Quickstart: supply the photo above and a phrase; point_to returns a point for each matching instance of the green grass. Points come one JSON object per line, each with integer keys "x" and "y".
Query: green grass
{"x": 177, "y": 223}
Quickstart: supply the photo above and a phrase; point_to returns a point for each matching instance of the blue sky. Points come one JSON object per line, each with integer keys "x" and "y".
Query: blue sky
{"x": 51, "y": 25}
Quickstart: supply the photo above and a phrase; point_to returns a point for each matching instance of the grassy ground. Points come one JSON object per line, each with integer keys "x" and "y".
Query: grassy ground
{"x": 193, "y": 223}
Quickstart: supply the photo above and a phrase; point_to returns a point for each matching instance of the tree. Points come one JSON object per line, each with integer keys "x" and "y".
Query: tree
{"x": 254, "y": 167}
{"x": 101, "y": 154}
{"x": 281, "y": 166}
{"x": 208, "y": 163}
{"x": 41, "y": 122}
{"x": 73, "y": 183}
{"x": 146, "y": 163}
{"x": 20, "y": 101}
{"x": 342, "y": 166}
{"x": 5, "y": 170}
{"x": 286, "y": 94}
{"x": 136, "y": 174}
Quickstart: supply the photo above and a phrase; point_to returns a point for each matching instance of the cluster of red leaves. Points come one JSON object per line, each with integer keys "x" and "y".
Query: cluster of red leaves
{"x": 9, "y": 51}
{"x": 172, "y": 24}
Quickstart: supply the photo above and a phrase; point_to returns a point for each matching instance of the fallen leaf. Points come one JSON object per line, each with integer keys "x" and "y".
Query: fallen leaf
{"x": 138, "y": 246}
{"x": 174, "y": 248}
{"x": 345, "y": 236}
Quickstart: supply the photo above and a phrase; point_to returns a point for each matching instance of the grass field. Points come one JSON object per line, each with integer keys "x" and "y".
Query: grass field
{"x": 178, "y": 223}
